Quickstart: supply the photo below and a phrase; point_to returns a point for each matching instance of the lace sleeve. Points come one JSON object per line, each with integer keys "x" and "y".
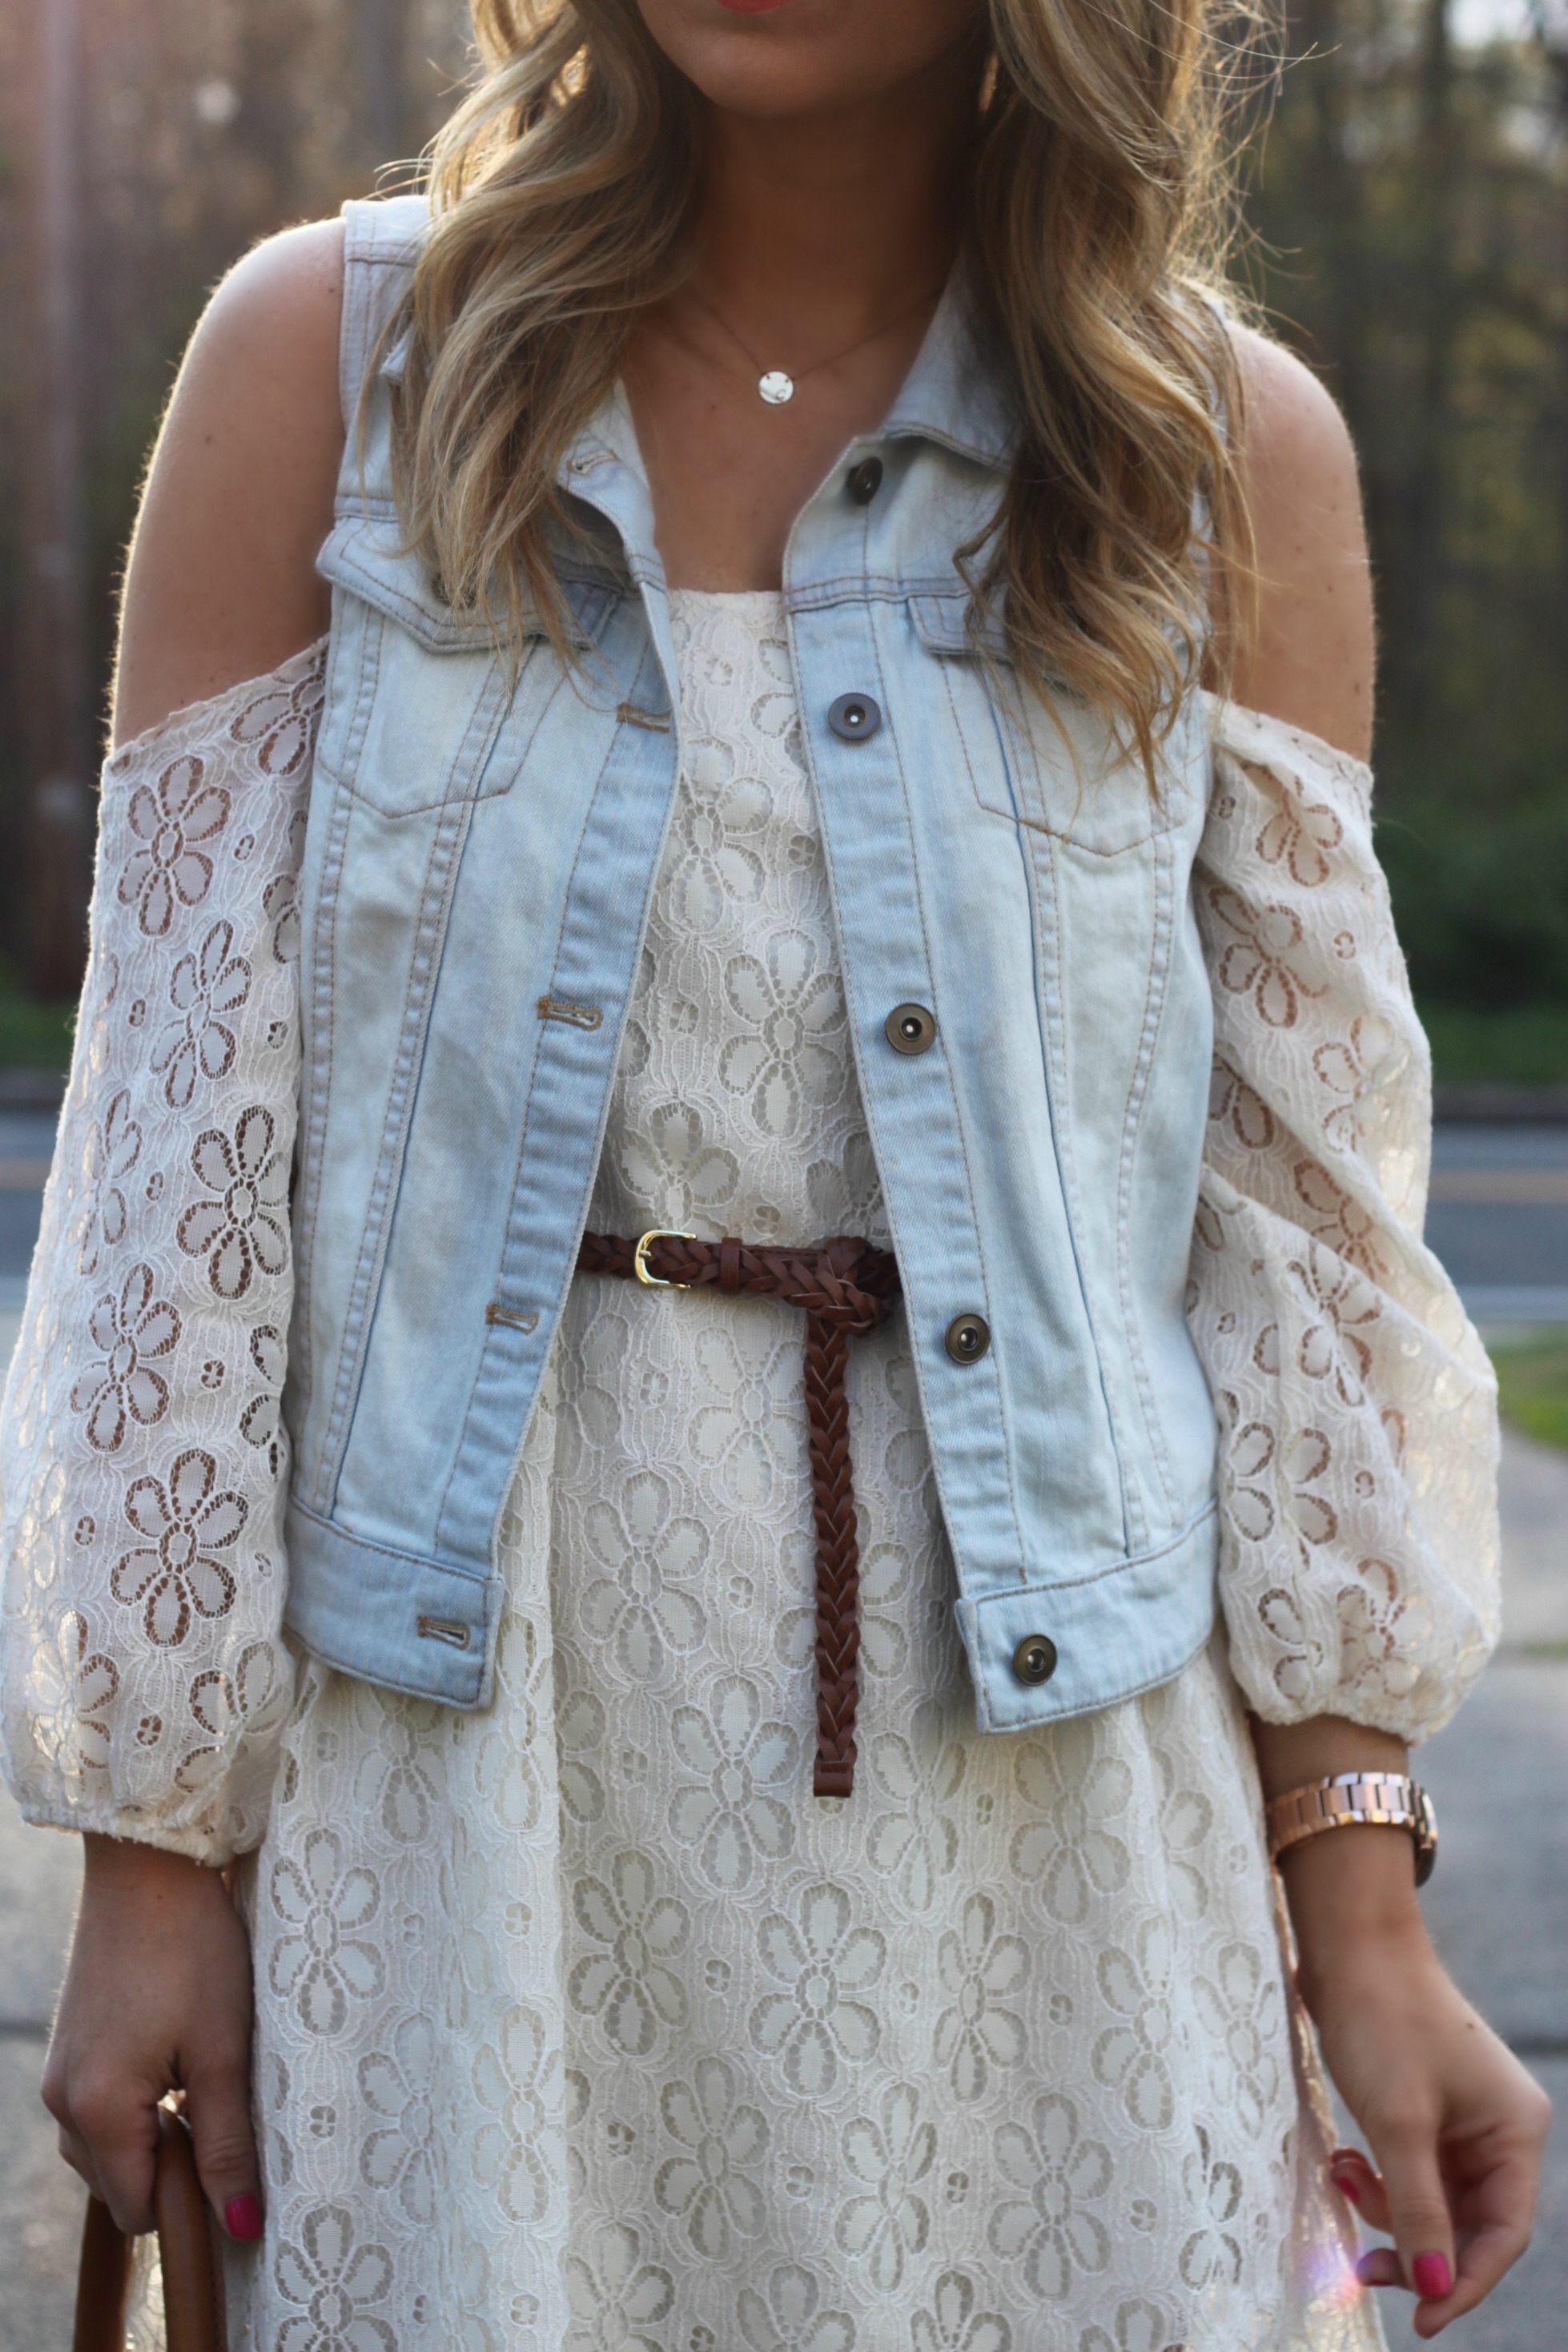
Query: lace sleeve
{"x": 145, "y": 1676}
{"x": 1358, "y": 1413}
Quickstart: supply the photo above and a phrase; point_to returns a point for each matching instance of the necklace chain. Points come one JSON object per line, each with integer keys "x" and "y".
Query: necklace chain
{"x": 775, "y": 385}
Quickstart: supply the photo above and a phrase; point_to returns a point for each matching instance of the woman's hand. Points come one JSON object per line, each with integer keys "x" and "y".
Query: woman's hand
{"x": 156, "y": 1999}
{"x": 1455, "y": 2124}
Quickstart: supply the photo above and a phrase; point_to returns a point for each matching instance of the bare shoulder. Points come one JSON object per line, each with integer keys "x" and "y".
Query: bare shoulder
{"x": 1308, "y": 659}
{"x": 221, "y": 583}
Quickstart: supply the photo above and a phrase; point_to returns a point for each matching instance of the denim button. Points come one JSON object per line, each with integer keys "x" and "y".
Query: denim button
{"x": 909, "y": 1029}
{"x": 967, "y": 1337}
{"x": 1034, "y": 1659}
{"x": 865, "y": 480}
{"x": 854, "y": 717}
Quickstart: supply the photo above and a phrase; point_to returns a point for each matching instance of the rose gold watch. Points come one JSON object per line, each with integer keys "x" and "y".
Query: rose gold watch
{"x": 1381, "y": 1799}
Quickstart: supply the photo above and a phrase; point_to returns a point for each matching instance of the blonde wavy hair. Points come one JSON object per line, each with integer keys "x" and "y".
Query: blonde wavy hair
{"x": 562, "y": 191}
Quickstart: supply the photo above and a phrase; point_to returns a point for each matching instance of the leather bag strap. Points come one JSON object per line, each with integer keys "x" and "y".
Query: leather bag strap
{"x": 102, "y": 2275}
{"x": 187, "y": 2253}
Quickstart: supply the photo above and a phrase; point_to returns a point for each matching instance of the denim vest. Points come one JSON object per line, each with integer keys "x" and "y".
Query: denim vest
{"x": 479, "y": 859}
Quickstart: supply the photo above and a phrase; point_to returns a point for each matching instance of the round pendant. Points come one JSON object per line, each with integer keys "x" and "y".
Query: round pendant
{"x": 776, "y": 387}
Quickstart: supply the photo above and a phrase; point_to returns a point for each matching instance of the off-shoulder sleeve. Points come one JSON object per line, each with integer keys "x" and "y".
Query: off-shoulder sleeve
{"x": 1358, "y": 1545}
{"x": 145, "y": 1675}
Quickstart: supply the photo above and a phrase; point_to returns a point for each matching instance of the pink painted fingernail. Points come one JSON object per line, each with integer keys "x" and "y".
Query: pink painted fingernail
{"x": 1348, "y": 2185}
{"x": 1432, "y": 2275}
{"x": 242, "y": 2219}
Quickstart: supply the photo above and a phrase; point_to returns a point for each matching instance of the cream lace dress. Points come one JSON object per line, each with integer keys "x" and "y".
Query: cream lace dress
{"x": 581, "y": 2026}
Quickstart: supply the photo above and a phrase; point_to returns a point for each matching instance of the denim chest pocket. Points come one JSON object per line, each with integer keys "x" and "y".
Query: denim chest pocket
{"x": 429, "y": 733}
{"x": 1058, "y": 771}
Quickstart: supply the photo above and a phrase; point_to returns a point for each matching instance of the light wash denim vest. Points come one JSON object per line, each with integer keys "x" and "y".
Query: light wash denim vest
{"x": 478, "y": 871}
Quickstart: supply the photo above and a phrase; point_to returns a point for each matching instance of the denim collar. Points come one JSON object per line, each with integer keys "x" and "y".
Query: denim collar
{"x": 951, "y": 395}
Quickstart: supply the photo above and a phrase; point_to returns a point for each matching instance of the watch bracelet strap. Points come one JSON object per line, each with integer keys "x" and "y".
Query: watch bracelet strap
{"x": 1347, "y": 1801}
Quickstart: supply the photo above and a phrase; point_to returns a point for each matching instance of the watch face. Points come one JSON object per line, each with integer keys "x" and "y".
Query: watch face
{"x": 1425, "y": 1837}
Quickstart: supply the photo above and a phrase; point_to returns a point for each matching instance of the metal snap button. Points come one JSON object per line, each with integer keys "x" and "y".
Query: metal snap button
{"x": 865, "y": 480}
{"x": 967, "y": 1339}
{"x": 854, "y": 717}
{"x": 909, "y": 1029}
{"x": 1034, "y": 1659}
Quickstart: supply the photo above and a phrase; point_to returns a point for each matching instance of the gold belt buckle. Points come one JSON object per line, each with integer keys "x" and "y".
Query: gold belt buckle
{"x": 640, "y": 1257}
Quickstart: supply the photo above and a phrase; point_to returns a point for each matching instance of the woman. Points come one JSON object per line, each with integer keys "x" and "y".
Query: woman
{"x": 755, "y": 783}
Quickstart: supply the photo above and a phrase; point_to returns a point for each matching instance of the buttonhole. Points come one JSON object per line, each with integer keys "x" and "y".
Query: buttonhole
{"x": 443, "y": 1629}
{"x": 496, "y": 1313}
{"x": 578, "y": 1017}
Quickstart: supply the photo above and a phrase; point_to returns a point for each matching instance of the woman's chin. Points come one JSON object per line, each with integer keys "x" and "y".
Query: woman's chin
{"x": 785, "y": 58}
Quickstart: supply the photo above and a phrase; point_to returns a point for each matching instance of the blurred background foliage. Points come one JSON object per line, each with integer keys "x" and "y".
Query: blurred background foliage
{"x": 1409, "y": 212}
{"x": 205, "y": 124}
{"x": 1533, "y": 1385}
{"x": 1405, "y": 223}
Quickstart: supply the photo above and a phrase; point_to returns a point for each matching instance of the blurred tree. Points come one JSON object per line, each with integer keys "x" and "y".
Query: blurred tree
{"x": 378, "y": 37}
{"x": 1411, "y": 200}
{"x": 1550, "y": 19}
{"x": 274, "y": 53}
{"x": 56, "y": 813}
{"x": 200, "y": 125}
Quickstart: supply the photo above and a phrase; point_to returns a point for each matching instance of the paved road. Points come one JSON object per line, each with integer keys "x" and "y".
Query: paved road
{"x": 26, "y": 1140}
{"x": 1498, "y": 1903}
{"x": 1499, "y": 1219}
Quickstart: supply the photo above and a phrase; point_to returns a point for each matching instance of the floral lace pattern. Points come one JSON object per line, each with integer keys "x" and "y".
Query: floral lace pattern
{"x": 1358, "y": 1464}
{"x": 998, "y": 2054}
{"x": 146, "y": 1680}
{"x": 578, "y": 2024}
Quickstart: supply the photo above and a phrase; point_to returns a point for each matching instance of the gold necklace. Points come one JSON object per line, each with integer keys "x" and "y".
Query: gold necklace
{"x": 775, "y": 385}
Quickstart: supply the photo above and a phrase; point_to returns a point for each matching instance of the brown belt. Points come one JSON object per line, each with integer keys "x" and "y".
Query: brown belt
{"x": 843, "y": 1287}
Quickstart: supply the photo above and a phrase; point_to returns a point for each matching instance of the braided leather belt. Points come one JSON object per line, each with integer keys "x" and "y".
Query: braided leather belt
{"x": 843, "y": 1287}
